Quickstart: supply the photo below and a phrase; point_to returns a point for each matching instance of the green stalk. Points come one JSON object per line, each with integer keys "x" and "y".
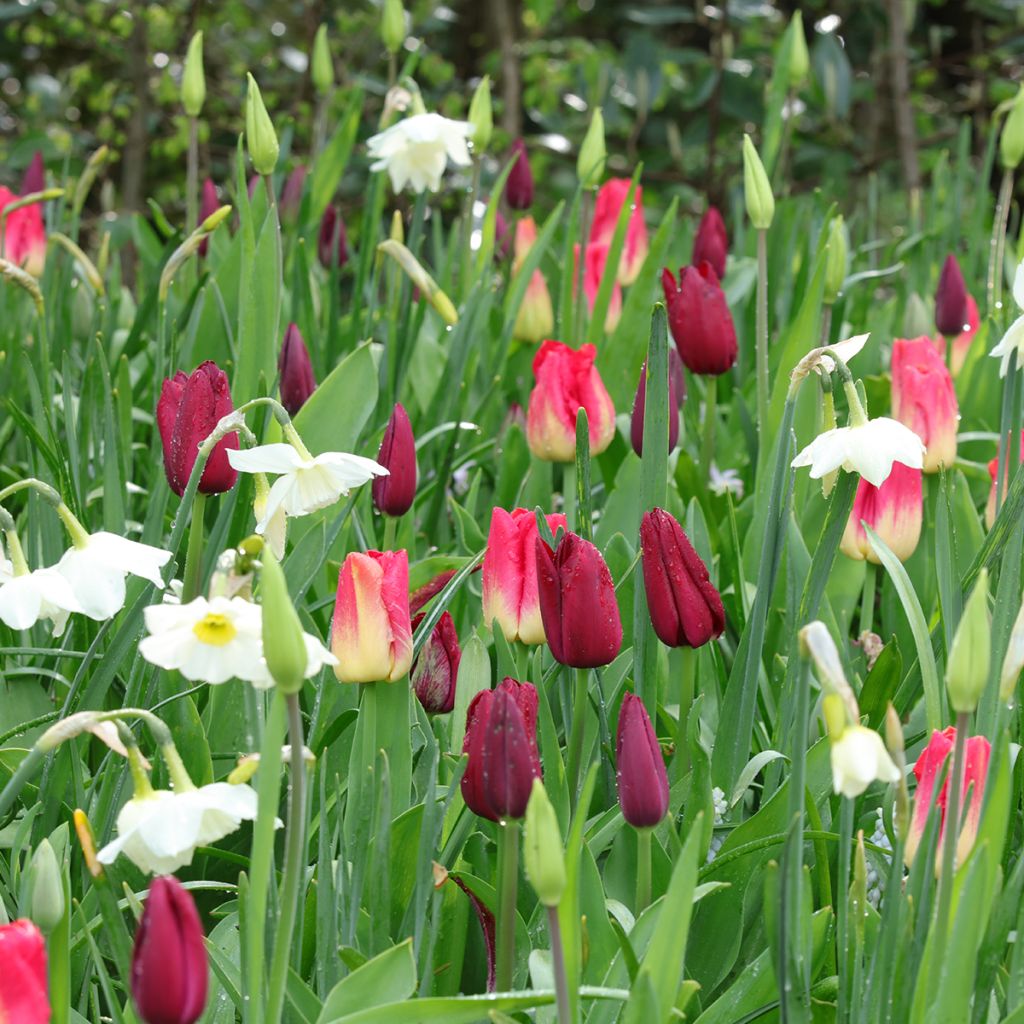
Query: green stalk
{"x": 579, "y": 715}
{"x": 192, "y": 178}
{"x": 842, "y": 906}
{"x": 707, "y": 445}
{"x": 558, "y": 968}
{"x": 867, "y": 597}
{"x": 467, "y": 231}
{"x": 643, "y": 869}
{"x": 508, "y": 881}
{"x": 761, "y": 334}
{"x": 687, "y": 686}
{"x": 580, "y": 324}
{"x": 994, "y": 285}
{"x": 390, "y": 529}
{"x": 21, "y": 775}
{"x": 1007, "y": 418}
{"x": 59, "y": 963}
{"x": 193, "y": 575}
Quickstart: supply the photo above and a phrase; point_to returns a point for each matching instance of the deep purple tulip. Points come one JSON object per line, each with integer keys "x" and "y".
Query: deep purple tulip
{"x": 519, "y": 186}
{"x": 951, "y": 314}
{"x": 436, "y": 668}
{"x": 297, "y": 382}
{"x": 640, "y": 768}
{"x": 676, "y": 394}
{"x": 332, "y": 243}
{"x": 393, "y": 494}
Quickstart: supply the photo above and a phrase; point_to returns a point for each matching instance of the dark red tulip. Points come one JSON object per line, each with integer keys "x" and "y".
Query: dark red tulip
{"x": 35, "y": 175}
{"x": 711, "y": 242}
{"x": 700, "y": 319}
{"x": 436, "y": 667}
{"x": 297, "y": 382}
{"x": 291, "y": 194}
{"x": 190, "y": 406}
{"x": 208, "y": 203}
{"x": 685, "y": 608}
{"x": 332, "y": 244}
{"x": 519, "y": 186}
{"x": 421, "y": 595}
{"x": 393, "y": 494}
{"x": 577, "y": 603}
{"x": 951, "y": 299}
{"x": 169, "y": 966}
{"x": 501, "y": 741}
{"x": 640, "y": 768}
{"x": 676, "y": 394}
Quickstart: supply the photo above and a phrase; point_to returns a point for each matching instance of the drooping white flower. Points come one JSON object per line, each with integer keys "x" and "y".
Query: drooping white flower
{"x": 869, "y": 448}
{"x": 316, "y": 657}
{"x": 858, "y": 758}
{"x": 1013, "y": 339}
{"x": 417, "y": 149}
{"x": 41, "y": 594}
{"x": 819, "y": 360}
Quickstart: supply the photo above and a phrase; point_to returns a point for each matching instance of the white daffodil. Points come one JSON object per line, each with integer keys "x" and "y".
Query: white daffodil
{"x": 1013, "y": 339}
{"x": 723, "y": 481}
{"x": 97, "y": 565}
{"x": 275, "y": 533}
{"x": 316, "y": 657}
{"x": 868, "y": 448}
{"x": 41, "y": 594}
{"x": 417, "y": 149}
{"x": 306, "y": 482}
{"x": 159, "y": 833}
{"x": 819, "y": 359}
{"x": 858, "y": 758}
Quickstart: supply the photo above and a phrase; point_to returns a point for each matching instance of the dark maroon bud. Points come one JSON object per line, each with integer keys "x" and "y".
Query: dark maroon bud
{"x": 393, "y": 494}
{"x": 951, "y": 300}
{"x": 699, "y": 317}
{"x": 636, "y": 430}
{"x": 711, "y": 242}
{"x": 436, "y": 668}
{"x": 519, "y": 186}
{"x": 332, "y": 243}
{"x": 640, "y": 768}
{"x": 291, "y": 194}
{"x": 295, "y": 371}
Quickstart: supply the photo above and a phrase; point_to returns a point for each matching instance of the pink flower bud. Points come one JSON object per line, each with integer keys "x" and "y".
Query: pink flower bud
{"x": 24, "y": 234}
{"x": 676, "y": 394}
{"x": 924, "y": 400}
{"x": 34, "y": 179}
{"x": 519, "y": 186}
{"x": 436, "y": 668}
{"x": 332, "y": 242}
{"x": 951, "y": 299}
{"x": 893, "y": 511}
{"x": 607, "y": 208}
{"x": 23, "y": 980}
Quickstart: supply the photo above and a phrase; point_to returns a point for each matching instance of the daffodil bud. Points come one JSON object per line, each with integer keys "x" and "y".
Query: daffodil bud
{"x": 799, "y": 60}
{"x": 392, "y": 25}
{"x": 590, "y": 164}
{"x": 835, "y": 259}
{"x": 481, "y": 116}
{"x": 47, "y": 886}
{"x": 1011, "y": 142}
{"x": 833, "y": 708}
{"x": 193, "y": 81}
{"x": 543, "y": 856}
{"x": 260, "y": 136}
{"x": 284, "y": 646}
{"x": 321, "y": 67}
{"x": 917, "y": 318}
{"x": 967, "y": 669}
{"x": 757, "y": 189}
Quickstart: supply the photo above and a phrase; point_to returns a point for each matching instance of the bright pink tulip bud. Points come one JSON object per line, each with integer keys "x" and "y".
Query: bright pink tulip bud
{"x": 332, "y": 243}
{"x": 962, "y": 342}
{"x": 676, "y": 394}
{"x": 893, "y": 511}
{"x": 607, "y": 207}
{"x": 24, "y": 241}
{"x": 208, "y": 203}
{"x": 595, "y": 260}
{"x": 169, "y": 967}
{"x": 393, "y": 494}
{"x": 577, "y": 603}
{"x": 371, "y": 635}
{"x": 535, "y": 319}
{"x": 951, "y": 299}
{"x": 924, "y": 400}
{"x": 291, "y": 194}
{"x": 189, "y": 408}
{"x": 297, "y": 382}
{"x": 510, "y": 574}
{"x": 684, "y": 605}
{"x": 566, "y": 381}
{"x": 436, "y": 667}
{"x": 711, "y": 242}
{"x": 23, "y": 984}
{"x": 927, "y": 769}
{"x": 640, "y": 768}
{"x": 501, "y": 741}
{"x": 35, "y": 175}
{"x": 700, "y": 319}
{"x": 519, "y": 186}
{"x": 993, "y": 472}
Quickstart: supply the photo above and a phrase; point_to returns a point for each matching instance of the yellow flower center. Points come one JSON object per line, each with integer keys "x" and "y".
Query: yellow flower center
{"x": 214, "y": 629}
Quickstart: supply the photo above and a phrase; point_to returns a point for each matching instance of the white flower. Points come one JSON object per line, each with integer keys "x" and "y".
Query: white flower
{"x": 818, "y": 359}
{"x": 96, "y": 571}
{"x": 306, "y": 483}
{"x": 40, "y": 594}
{"x": 858, "y": 758}
{"x": 870, "y": 449}
{"x": 316, "y": 657}
{"x": 1013, "y": 339}
{"x": 159, "y": 833}
{"x": 275, "y": 533}
{"x": 724, "y": 480}
{"x": 417, "y": 150}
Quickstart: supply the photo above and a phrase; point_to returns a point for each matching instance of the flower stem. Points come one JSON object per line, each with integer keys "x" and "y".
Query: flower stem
{"x": 707, "y": 445}
{"x": 643, "y": 869}
{"x": 558, "y": 968}
{"x": 761, "y": 332}
{"x": 192, "y": 178}
{"x": 508, "y": 881}
{"x": 949, "y": 838}
{"x": 467, "y": 230}
{"x": 842, "y": 904}
{"x": 580, "y": 319}
{"x": 687, "y": 674}
{"x": 194, "y": 553}
{"x": 579, "y": 715}
{"x": 867, "y": 598}
{"x": 390, "y": 529}
{"x": 994, "y": 287}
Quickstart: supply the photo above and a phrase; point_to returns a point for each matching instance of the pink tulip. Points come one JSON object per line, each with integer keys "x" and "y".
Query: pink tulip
{"x": 594, "y": 260}
{"x": 924, "y": 400}
{"x": 893, "y": 511}
{"x": 535, "y": 319}
{"x": 23, "y": 992}
{"x": 24, "y": 238}
{"x": 607, "y": 209}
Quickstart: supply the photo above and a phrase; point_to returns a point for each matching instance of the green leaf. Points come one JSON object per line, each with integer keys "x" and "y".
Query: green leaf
{"x": 330, "y": 165}
{"x": 335, "y": 414}
{"x": 386, "y": 978}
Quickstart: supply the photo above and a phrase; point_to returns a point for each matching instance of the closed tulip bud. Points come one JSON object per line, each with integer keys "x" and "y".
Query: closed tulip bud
{"x": 543, "y": 856}
{"x": 34, "y": 179}
{"x": 24, "y": 243}
{"x": 393, "y": 494}
{"x": 284, "y": 643}
{"x": 291, "y": 194}
{"x": 170, "y": 973}
{"x": 676, "y": 393}
{"x": 607, "y": 207}
{"x": 951, "y": 299}
{"x": 297, "y": 382}
{"x": 1013, "y": 662}
{"x": 189, "y": 408}
{"x": 321, "y": 66}
{"x": 193, "y": 81}
{"x": 962, "y": 342}
{"x": 684, "y": 605}
{"x": 566, "y": 381}
{"x": 1011, "y": 141}
{"x": 481, "y": 116}
{"x": 392, "y": 25}
{"x": 260, "y": 136}
{"x": 47, "y": 882}
{"x": 593, "y": 154}
{"x": 893, "y": 511}
{"x": 700, "y": 320}
{"x": 835, "y": 259}
{"x": 23, "y": 980}
{"x": 923, "y": 399}
{"x": 859, "y": 758}
{"x": 501, "y": 741}
{"x": 510, "y": 596}
{"x": 208, "y": 205}
{"x": 711, "y": 242}
{"x": 640, "y": 768}
{"x": 969, "y": 655}
{"x": 757, "y": 190}
{"x": 519, "y": 185}
{"x": 917, "y": 317}
{"x": 371, "y": 635}
{"x": 436, "y": 668}
{"x": 799, "y": 59}
{"x": 577, "y": 603}
{"x": 332, "y": 241}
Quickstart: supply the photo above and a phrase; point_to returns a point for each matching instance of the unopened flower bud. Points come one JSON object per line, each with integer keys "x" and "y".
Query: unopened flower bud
{"x": 47, "y": 883}
{"x": 969, "y": 656}
{"x": 284, "y": 645}
{"x": 481, "y": 116}
{"x": 392, "y": 25}
{"x": 260, "y": 136}
{"x": 835, "y": 260}
{"x": 799, "y": 59}
{"x": 193, "y": 81}
{"x": 757, "y": 190}
{"x": 1011, "y": 142}
{"x": 321, "y": 67}
{"x": 593, "y": 154}
{"x": 543, "y": 856}
{"x": 1013, "y": 663}
{"x": 394, "y": 494}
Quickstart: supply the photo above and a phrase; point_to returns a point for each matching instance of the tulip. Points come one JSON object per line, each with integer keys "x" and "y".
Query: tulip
{"x": 519, "y": 185}
{"x": 34, "y": 179}
{"x": 291, "y": 194}
{"x": 893, "y": 511}
{"x": 502, "y": 238}
{"x": 676, "y": 394}
{"x": 208, "y": 204}
{"x": 297, "y": 382}
{"x": 510, "y": 594}
{"x": 332, "y": 242}
{"x": 924, "y": 400}
{"x": 757, "y": 189}
{"x": 501, "y": 741}
{"x": 711, "y": 242}
{"x": 962, "y": 342}
{"x": 927, "y": 768}
{"x": 24, "y": 238}
{"x": 535, "y": 319}
{"x": 260, "y": 137}
{"x": 951, "y": 299}
{"x": 699, "y": 317}
{"x": 640, "y": 768}
{"x": 595, "y": 258}
{"x": 393, "y": 494}
{"x": 371, "y": 635}
{"x": 566, "y": 381}
{"x": 169, "y": 967}
{"x": 607, "y": 208}
{"x": 577, "y": 603}
{"x": 436, "y": 668}
{"x": 189, "y": 408}
{"x": 23, "y": 985}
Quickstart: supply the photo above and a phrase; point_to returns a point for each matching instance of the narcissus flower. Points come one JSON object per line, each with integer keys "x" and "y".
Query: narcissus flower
{"x": 23, "y": 984}
{"x": 607, "y": 208}
{"x": 519, "y": 185}
{"x": 924, "y": 400}
{"x": 24, "y": 237}
{"x": 859, "y": 758}
{"x": 1013, "y": 339}
{"x": 436, "y": 668}
{"x": 869, "y": 448}
{"x": 711, "y": 242}
{"x": 951, "y": 299}
{"x": 295, "y": 370}
{"x": 699, "y": 318}
{"x": 394, "y": 493}
{"x": 417, "y": 149}
{"x": 28, "y": 597}
{"x": 893, "y": 511}
{"x": 639, "y": 766}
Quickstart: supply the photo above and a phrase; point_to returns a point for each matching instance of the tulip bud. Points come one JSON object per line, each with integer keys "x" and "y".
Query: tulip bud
{"x": 757, "y": 190}
{"x": 923, "y": 399}
{"x": 535, "y": 319}
{"x": 711, "y": 242}
{"x": 519, "y": 185}
{"x": 34, "y": 179}
{"x": 284, "y": 643}
{"x": 640, "y": 768}
{"x": 481, "y": 116}
{"x": 799, "y": 59}
{"x": 951, "y": 299}
{"x": 392, "y": 25}
{"x": 295, "y": 371}
{"x": 675, "y": 379}
{"x": 1013, "y": 662}
{"x": 699, "y": 317}
{"x": 193, "y": 81}
{"x": 393, "y": 494}
{"x": 893, "y": 511}
{"x": 321, "y": 66}
{"x": 607, "y": 208}
{"x": 332, "y": 241}
{"x": 260, "y": 136}
{"x": 835, "y": 258}
{"x": 23, "y": 979}
{"x": 47, "y": 882}
{"x": 436, "y": 668}
{"x": 170, "y": 973}
{"x": 969, "y": 655}
{"x": 591, "y": 160}
{"x": 595, "y": 258}
{"x": 291, "y": 194}
{"x": 917, "y": 318}
{"x": 543, "y": 856}
{"x": 1011, "y": 141}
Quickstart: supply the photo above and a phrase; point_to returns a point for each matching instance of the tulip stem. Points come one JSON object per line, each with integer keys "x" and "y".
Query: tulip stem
{"x": 843, "y": 904}
{"x": 580, "y": 319}
{"x": 558, "y": 968}
{"x": 390, "y": 529}
{"x": 997, "y": 242}
{"x": 579, "y": 715}
{"x": 687, "y": 685}
{"x": 707, "y": 444}
{"x": 508, "y": 881}
{"x": 643, "y": 869}
{"x": 192, "y": 178}
{"x": 867, "y": 598}
{"x": 194, "y": 554}
{"x": 761, "y": 334}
